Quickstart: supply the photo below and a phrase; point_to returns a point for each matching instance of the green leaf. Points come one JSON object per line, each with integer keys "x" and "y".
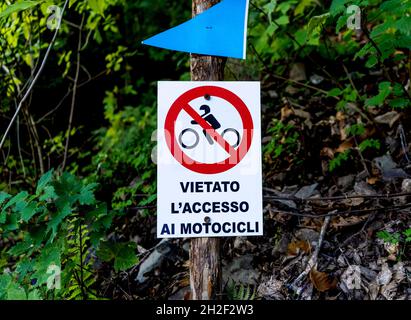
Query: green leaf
{"x": 302, "y": 5}
{"x": 334, "y": 92}
{"x": 58, "y": 219}
{"x": 371, "y": 62}
{"x": 86, "y": 194}
{"x": 34, "y": 295}
{"x": 18, "y": 6}
{"x": 3, "y": 197}
{"x": 399, "y": 103}
{"x": 21, "y": 247}
{"x": 126, "y": 257}
{"x": 149, "y": 200}
{"x": 369, "y": 144}
{"x": 270, "y": 7}
{"x": 5, "y": 281}
{"x": 97, "y": 6}
{"x": 50, "y": 255}
{"x": 316, "y": 23}
{"x": 28, "y": 212}
{"x": 283, "y": 20}
{"x": 48, "y": 194}
{"x": 16, "y": 293}
{"x": 23, "y": 267}
{"x": 123, "y": 254}
{"x": 19, "y": 197}
{"x": 384, "y": 92}
{"x": 337, "y": 6}
{"x": 44, "y": 181}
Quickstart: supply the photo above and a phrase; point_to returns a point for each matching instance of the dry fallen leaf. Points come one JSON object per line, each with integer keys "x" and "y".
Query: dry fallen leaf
{"x": 327, "y": 152}
{"x": 322, "y": 281}
{"x": 295, "y": 247}
{"x": 372, "y": 180}
{"x": 285, "y": 112}
{"x": 388, "y": 118}
{"x": 348, "y": 144}
{"x": 342, "y": 222}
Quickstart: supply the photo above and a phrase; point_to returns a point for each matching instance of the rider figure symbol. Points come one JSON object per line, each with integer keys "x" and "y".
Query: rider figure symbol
{"x": 207, "y": 116}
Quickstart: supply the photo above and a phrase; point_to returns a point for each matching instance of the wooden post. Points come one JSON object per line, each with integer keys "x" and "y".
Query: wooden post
{"x": 205, "y": 264}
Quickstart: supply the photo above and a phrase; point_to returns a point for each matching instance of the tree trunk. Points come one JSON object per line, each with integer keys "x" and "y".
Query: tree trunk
{"x": 205, "y": 264}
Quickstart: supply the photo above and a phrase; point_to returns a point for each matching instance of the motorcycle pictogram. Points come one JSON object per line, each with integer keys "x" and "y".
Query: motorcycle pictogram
{"x": 209, "y": 117}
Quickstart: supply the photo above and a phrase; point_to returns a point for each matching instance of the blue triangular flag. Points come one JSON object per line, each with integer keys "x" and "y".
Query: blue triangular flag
{"x": 219, "y": 31}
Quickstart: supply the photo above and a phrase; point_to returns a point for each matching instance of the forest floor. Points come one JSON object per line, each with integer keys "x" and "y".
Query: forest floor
{"x": 343, "y": 235}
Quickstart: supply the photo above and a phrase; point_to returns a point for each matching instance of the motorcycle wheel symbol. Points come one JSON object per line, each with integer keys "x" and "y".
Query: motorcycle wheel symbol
{"x": 197, "y": 137}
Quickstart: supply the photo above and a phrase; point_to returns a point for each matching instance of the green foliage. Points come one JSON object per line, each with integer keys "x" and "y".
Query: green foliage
{"x": 392, "y": 238}
{"x": 17, "y": 7}
{"x": 339, "y": 160}
{"x": 369, "y": 144}
{"x": 123, "y": 160}
{"x": 240, "y": 292}
{"x": 401, "y": 240}
{"x": 284, "y": 140}
{"x": 356, "y": 129}
{"x": 123, "y": 254}
{"x": 57, "y": 226}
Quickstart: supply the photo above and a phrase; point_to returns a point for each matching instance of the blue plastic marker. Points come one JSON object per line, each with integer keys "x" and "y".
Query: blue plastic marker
{"x": 219, "y": 31}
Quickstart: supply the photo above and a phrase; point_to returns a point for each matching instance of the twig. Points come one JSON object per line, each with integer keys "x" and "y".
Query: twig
{"x": 286, "y": 79}
{"x": 358, "y": 196}
{"x": 73, "y": 100}
{"x": 26, "y": 95}
{"x": 68, "y": 93}
{"x": 295, "y": 286}
{"x": 347, "y": 212}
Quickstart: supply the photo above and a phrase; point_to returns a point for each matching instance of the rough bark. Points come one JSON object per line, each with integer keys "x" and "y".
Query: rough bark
{"x": 205, "y": 265}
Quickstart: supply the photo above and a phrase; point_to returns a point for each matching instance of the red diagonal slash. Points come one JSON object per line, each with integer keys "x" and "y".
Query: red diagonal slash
{"x": 209, "y": 129}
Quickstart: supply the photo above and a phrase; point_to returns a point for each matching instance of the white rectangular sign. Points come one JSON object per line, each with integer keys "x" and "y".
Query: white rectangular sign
{"x": 209, "y": 159}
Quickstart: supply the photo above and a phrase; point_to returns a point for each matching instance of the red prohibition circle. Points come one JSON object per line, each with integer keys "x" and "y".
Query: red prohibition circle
{"x": 235, "y": 155}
